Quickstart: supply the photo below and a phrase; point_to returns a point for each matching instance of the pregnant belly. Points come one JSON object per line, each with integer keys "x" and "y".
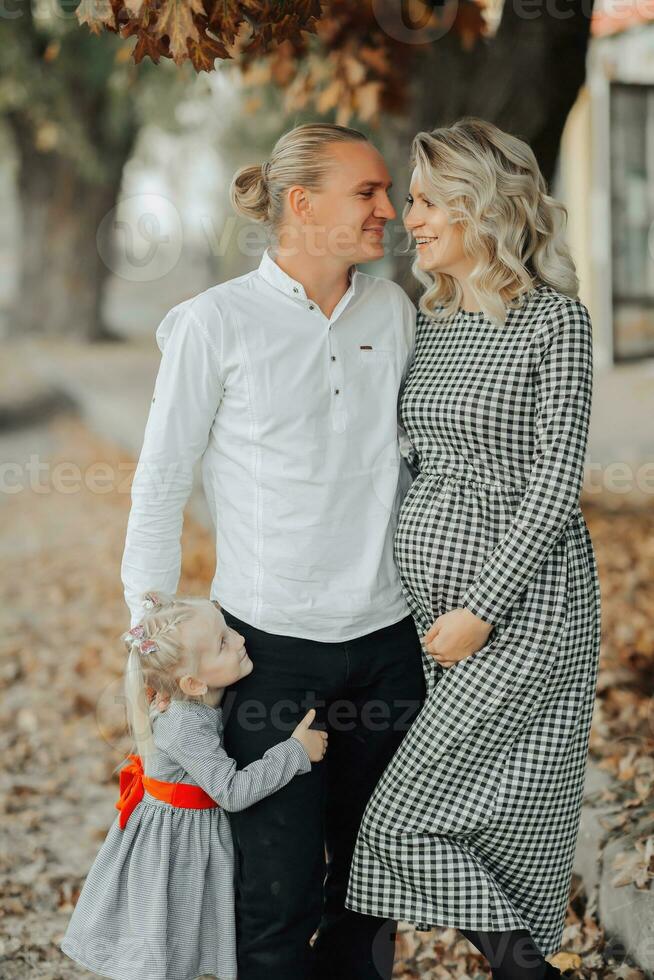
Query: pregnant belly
{"x": 445, "y": 531}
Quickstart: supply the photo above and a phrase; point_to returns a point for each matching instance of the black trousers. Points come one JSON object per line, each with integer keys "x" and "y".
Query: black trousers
{"x": 293, "y": 850}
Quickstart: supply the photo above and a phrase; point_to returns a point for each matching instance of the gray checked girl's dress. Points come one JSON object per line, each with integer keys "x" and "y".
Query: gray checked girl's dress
{"x": 158, "y": 902}
{"x": 473, "y": 823}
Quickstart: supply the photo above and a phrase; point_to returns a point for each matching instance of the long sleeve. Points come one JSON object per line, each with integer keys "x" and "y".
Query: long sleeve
{"x": 187, "y": 394}
{"x": 564, "y": 395}
{"x": 407, "y": 317}
{"x": 198, "y": 748}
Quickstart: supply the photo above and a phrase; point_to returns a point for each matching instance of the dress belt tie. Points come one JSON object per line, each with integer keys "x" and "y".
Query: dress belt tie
{"x": 133, "y": 783}
{"x": 474, "y": 482}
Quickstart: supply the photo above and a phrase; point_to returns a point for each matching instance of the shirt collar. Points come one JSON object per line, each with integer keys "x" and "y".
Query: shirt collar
{"x": 273, "y": 274}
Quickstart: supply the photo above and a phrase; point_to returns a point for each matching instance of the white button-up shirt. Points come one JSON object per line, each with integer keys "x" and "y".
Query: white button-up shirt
{"x": 294, "y": 415}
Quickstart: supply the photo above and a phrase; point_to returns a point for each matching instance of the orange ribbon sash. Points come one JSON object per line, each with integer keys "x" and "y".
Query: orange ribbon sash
{"x": 133, "y": 783}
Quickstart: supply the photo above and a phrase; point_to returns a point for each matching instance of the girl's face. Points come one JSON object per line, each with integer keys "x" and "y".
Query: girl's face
{"x": 223, "y": 657}
{"x": 439, "y": 244}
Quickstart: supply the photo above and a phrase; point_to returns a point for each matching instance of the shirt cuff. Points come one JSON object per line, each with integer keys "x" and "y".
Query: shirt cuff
{"x": 296, "y": 747}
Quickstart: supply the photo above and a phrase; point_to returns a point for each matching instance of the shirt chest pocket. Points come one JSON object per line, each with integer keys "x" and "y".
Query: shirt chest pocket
{"x": 376, "y": 358}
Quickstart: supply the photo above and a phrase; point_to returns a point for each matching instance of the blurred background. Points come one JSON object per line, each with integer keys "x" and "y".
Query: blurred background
{"x": 119, "y": 134}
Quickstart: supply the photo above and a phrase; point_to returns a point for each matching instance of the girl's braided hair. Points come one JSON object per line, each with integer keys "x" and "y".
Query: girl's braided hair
{"x": 156, "y": 659}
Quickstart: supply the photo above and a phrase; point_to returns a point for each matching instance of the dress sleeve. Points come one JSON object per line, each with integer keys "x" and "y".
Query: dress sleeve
{"x": 408, "y": 319}
{"x": 187, "y": 394}
{"x": 564, "y": 395}
{"x": 197, "y": 747}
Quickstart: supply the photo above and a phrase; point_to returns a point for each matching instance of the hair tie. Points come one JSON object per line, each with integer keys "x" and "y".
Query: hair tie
{"x": 148, "y": 646}
{"x": 136, "y": 637}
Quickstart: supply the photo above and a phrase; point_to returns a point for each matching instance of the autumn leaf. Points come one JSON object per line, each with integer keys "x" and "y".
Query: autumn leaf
{"x": 96, "y": 14}
{"x": 175, "y": 20}
{"x": 369, "y": 69}
{"x": 147, "y": 46}
{"x": 204, "y": 52}
{"x": 224, "y": 18}
{"x": 566, "y": 961}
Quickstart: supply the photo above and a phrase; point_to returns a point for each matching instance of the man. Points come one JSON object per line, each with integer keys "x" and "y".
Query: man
{"x": 285, "y": 382}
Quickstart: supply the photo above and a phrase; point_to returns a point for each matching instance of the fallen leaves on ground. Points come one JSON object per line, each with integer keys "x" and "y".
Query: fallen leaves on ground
{"x": 622, "y": 735}
{"x": 62, "y": 720}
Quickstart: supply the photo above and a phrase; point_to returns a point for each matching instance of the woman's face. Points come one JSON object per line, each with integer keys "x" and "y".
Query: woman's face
{"x": 439, "y": 244}
{"x": 223, "y": 657}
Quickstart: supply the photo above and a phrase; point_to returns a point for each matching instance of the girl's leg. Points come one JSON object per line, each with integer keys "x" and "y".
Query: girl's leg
{"x": 512, "y": 955}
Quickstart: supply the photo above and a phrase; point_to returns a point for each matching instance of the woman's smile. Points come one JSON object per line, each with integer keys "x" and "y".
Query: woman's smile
{"x": 422, "y": 242}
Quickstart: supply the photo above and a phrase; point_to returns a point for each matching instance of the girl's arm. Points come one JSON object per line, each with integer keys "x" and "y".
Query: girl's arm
{"x": 197, "y": 747}
{"x": 564, "y": 390}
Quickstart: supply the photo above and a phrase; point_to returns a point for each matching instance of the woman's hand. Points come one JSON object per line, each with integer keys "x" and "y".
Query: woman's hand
{"x": 456, "y": 635}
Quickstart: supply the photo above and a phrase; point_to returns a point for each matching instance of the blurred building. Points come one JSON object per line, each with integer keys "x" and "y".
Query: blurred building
{"x": 606, "y": 178}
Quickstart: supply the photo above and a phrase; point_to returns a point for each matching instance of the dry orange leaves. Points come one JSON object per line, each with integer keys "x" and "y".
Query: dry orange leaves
{"x": 351, "y": 56}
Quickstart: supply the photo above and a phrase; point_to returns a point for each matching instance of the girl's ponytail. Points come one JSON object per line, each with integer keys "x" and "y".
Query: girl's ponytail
{"x": 155, "y": 656}
{"x": 138, "y": 708}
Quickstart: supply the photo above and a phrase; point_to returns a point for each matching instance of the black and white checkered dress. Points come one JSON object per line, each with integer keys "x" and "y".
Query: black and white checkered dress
{"x": 158, "y": 901}
{"x": 474, "y": 822}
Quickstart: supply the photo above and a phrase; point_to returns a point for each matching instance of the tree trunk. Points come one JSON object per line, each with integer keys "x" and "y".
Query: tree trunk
{"x": 531, "y": 76}
{"x": 62, "y": 273}
{"x": 525, "y": 79}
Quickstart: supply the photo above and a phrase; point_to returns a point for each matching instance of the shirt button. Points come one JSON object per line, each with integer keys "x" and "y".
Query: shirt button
{"x": 337, "y": 391}
{"x": 311, "y": 307}
{"x": 333, "y": 359}
{"x": 295, "y": 289}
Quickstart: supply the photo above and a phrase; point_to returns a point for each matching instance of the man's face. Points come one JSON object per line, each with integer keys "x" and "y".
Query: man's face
{"x": 347, "y": 218}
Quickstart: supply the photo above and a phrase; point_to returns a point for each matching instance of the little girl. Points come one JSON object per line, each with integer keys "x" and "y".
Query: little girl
{"x": 158, "y": 901}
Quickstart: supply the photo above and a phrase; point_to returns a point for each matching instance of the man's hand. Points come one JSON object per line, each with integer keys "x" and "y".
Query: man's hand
{"x": 456, "y": 635}
{"x": 160, "y": 701}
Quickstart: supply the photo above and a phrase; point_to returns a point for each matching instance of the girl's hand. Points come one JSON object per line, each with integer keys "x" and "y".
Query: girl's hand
{"x": 456, "y": 635}
{"x": 314, "y": 741}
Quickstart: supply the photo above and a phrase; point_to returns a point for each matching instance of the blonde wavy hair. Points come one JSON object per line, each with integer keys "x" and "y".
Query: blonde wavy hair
{"x": 490, "y": 182}
{"x": 300, "y": 157}
{"x": 160, "y": 669}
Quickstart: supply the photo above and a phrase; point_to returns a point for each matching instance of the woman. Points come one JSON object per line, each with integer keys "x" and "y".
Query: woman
{"x": 474, "y": 822}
